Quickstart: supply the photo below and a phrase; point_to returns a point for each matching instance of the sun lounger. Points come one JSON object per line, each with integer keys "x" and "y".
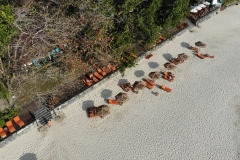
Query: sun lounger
{"x": 92, "y": 112}
{"x": 207, "y": 55}
{"x": 169, "y": 76}
{"x": 194, "y": 48}
{"x": 111, "y": 101}
{"x": 10, "y": 126}
{"x": 101, "y": 71}
{"x": 166, "y": 88}
{"x": 98, "y": 75}
{"x": 148, "y": 56}
{"x": 87, "y": 82}
{"x": 149, "y": 86}
{"x": 91, "y": 76}
{"x": 111, "y": 67}
{"x": 125, "y": 88}
{"x": 149, "y": 81}
{"x": 174, "y": 61}
{"x": 162, "y": 38}
{"x": 200, "y": 55}
{"x": 18, "y": 121}
{"x": 106, "y": 70}
{"x": 134, "y": 55}
{"x": 2, "y": 133}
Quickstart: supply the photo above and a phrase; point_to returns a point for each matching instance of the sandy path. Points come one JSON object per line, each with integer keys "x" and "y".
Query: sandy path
{"x": 197, "y": 120}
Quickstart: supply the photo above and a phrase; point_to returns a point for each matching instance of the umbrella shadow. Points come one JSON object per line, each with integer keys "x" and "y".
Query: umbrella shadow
{"x": 185, "y": 45}
{"x": 87, "y": 104}
{"x": 153, "y": 64}
{"x": 106, "y": 93}
{"x": 167, "y": 56}
{"x": 139, "y": 73}
{"x": 122, "y": 81}
{"x": 27, "y": 156}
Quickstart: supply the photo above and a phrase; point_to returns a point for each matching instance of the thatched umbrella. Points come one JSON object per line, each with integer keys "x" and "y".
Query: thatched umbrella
{"x": 122, "y": 97}
{"x": 154, "y": 75}
{"x": 138, "y": 85}
{"x": 200, "y": 44}
{"x": 183, "y": 56}
{"x": 103, "y": 110}
{"x": 169, "y": 66}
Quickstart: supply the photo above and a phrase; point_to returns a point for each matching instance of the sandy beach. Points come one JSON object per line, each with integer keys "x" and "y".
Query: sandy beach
{"x": 198, "y": 120}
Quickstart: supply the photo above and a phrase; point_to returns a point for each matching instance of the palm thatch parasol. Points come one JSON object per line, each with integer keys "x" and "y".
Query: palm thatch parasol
{"x": 154, "y": 75}
{"x": 103, "y": 110}
{"x": 169, "y": 66}
{"x": 138, "y": 85}
{"x": 122, "y": 97}
{"x": 200, "y": 44}
{"x": 183, "y": 56}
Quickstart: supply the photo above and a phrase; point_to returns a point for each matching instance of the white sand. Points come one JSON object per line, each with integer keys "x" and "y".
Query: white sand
{"x": 197, "y": 120}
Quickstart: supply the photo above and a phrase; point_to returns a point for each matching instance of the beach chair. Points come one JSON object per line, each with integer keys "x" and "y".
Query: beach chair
{"x": 194, "y": 48}
{"x": 125, "y": 88}
{"x": 111, "y": 101}
{"x": 101, "y": 72}
{"x": 92, "y": 77}
{"x": 169, "y": 76}
{"x": 200, "y": 55}
{"x": 162, "y": 38}
{"x": 2, "y": 133}
{"x": 166, "y": 88}
{"x": 149, "y": 86}
{"x": 174, "y": 61}
{"x": 207, "y": 55}
{"x": 18, "y": 121}
{"x": 133, "y": 55}
{"x": 87, "y": 81}
{"x": 106, "y": 69}
{"x": 92, "y": 112}
{"x": 98, "y": 75}
{"x": 148, "y": 56}
{"x": 149, "y": 81}
{"x": 10, "y": 126}
{"x": 111, "y": 67}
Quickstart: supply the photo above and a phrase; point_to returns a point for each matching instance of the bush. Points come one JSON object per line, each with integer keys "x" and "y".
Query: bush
{"x": 4, "y": 94}
{"x": 7, "y": 114}
{"x": 7, "y": 29}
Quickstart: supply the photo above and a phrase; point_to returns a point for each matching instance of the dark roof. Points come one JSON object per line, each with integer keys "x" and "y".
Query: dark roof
{"x": 43, "y": 115}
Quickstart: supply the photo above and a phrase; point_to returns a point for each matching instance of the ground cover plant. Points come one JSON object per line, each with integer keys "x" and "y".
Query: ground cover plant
{"x": 48, "y": 45}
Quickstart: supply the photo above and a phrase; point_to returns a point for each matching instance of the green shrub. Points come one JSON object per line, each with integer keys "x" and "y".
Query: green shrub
{"x": 7, "y": 29}
{"x": 4, "y": 94}
{"x": 7, "y": 114}
{"x": 226, "y": 2}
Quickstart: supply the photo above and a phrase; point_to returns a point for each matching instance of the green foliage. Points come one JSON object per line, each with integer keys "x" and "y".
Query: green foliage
{"x": 174, "y": 12}
{"x": 7, "y": 114}
{"x": 226, "y": 2}
{"x": 7, "y": 29}
{"x": 127, "y": 61}
{"x": 4, "y": 94}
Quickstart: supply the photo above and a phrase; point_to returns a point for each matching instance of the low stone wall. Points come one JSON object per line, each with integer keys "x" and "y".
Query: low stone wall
{"x": 209, "y": 15}
{"x": 18, "y": 133}
{"x": 90, "y": 89}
